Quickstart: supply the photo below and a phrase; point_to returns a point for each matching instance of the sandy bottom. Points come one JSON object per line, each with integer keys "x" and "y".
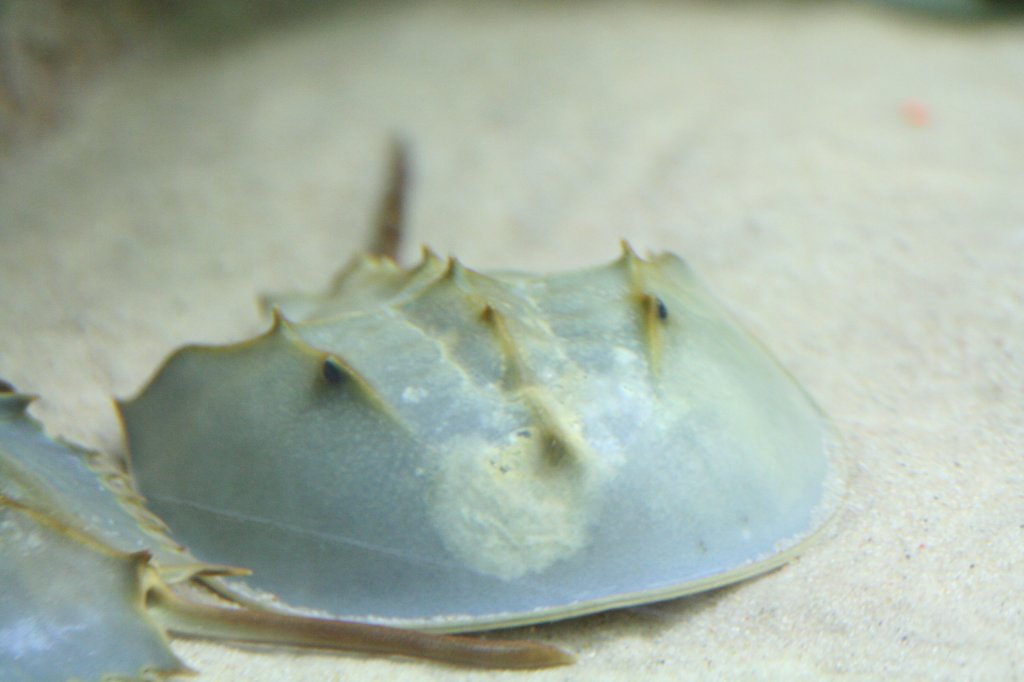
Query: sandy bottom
{"x": 849, "y": 179}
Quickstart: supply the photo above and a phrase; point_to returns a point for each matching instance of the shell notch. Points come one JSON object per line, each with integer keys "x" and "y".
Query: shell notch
{"x": 513, "y": 448}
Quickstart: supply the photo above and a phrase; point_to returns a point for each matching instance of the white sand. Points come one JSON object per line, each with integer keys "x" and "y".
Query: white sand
{"x": 769, "y": 144}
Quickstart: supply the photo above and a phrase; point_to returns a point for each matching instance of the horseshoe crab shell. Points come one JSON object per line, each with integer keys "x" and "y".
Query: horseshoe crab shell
{"x": 440, "y": 448}
{"x": 72, "y": 562}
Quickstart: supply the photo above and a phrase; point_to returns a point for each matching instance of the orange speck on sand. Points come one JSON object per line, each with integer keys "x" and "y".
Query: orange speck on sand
{"x": 916, "y": 113}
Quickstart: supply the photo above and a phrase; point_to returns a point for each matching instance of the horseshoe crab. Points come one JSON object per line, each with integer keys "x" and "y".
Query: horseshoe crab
{"x": 444, "y": 449}
{"x": 72, "y": 563}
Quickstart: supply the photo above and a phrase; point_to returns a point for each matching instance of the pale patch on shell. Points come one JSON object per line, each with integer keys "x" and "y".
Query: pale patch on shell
{"x": 506, "y": 512}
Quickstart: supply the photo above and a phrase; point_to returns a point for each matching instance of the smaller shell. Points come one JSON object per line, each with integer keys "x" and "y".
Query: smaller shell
{"x": 72, "y": 604}
{"x": 73, "y": 608}
{"x": 439, "y": 448}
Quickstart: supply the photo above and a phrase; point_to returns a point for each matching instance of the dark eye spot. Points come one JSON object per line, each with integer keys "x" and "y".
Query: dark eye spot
{"x": 6, "y": 387}
{"x": 332, "y": 371}
{"x": 662, "y": 309}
